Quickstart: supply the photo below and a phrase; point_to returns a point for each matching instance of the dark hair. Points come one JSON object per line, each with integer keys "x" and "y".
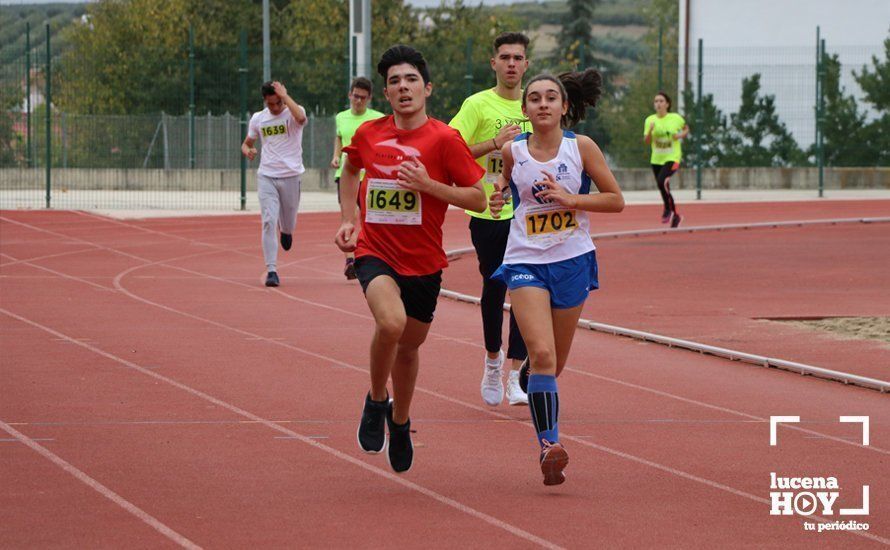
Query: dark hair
{"x": 361, "y": 83}
{"x": 578, "y": 89}
{"x": 267, "y": 89}
{"x": 666, "y": 98}
{"x": 510, "y": 38}
{"x": 398, "y": 54}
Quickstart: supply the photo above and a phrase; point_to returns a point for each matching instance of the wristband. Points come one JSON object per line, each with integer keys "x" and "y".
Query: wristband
{"x": 493, "y": 142}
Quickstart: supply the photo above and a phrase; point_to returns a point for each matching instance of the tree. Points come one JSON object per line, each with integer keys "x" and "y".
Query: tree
{"x": 706, "y": 134}
{"x": 575, "y": 39}
{"x": 316, "y": 60}
{"x": 624, "y": 111}
{"x": 131, "y": 56}
{"x": 576, "y": 51}
{"x": 444, "y": 37}
{"x": 756, "y": 136}
{"x": 876, "y": 85}
{"x": 844, "y": 128}
{"x": 11, "y": 141}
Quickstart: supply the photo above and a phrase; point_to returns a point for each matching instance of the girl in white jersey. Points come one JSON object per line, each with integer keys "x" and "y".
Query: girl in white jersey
{"x": 550, "y": 263}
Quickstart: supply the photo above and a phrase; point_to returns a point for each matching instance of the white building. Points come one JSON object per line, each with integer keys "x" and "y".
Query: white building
{"x": 777, "y": 38}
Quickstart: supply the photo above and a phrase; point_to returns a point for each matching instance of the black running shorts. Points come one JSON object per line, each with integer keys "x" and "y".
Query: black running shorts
{"x": 419, "y": 292}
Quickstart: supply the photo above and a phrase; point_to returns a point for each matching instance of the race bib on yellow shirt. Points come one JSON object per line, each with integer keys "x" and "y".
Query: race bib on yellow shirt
{"x": 664, "y": 146}
{"x": 388, "y": 202}
{"x": 494, "y": 165}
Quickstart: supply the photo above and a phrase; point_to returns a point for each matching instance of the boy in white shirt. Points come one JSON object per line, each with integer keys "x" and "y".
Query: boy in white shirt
{"x": 280, "y": 127}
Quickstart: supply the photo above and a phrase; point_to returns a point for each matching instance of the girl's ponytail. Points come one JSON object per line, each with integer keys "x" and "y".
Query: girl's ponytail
{"x": 583, "y": 89}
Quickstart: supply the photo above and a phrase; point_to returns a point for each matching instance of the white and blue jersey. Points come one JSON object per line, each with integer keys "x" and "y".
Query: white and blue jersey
{"x": 542, "y": 231}
{"x": 549, "y": 245}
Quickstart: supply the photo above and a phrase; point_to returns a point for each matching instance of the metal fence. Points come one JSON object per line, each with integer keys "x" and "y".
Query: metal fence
{"x": 178, "y": 145}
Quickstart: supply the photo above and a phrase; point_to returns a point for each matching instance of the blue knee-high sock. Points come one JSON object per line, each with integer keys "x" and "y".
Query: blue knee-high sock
{"x": 543, "y": 402}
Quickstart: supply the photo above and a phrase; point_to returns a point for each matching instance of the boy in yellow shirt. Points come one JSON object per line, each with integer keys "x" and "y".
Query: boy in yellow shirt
{"x": 487, "y": 120}
{"x": 347, "y": 123}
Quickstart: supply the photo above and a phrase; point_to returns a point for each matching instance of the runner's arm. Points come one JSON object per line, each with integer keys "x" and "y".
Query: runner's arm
{"x": 502, "y": 193}
{"x": 349, "y": 183}
{"x": 296, "y": 111}
{"x": 506, "y": 135}
{"x": 247, "y": 148}
{"x": 609, "y": 198}
{"x": 338, "y": 149}
{"x": 682, "y": 133}
{"x": 413, "y": 175}
{"x": 647, "y": 137}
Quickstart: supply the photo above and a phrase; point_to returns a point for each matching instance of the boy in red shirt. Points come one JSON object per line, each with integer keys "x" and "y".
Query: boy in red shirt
{"x": 415, "y": 166}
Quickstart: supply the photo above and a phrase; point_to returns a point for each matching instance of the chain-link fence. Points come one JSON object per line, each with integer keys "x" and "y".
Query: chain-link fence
{"x": 174, "y": 141}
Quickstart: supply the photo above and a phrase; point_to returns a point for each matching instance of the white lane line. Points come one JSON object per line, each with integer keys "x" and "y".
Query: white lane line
{"x": 724, "y": 409}
{"x": 442, "y": 499}
{"x": 118, "y": 286}
{"x": 38, "y": 258}
{"x": 668, "y": 469}
{"x": 363, "y": 316}
{"x": 146, "y": 518}
{"x": 64, "y": 275}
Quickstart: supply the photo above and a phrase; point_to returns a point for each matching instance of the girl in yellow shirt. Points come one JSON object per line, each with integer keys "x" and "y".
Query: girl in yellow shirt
{"x": 664, "y": 131}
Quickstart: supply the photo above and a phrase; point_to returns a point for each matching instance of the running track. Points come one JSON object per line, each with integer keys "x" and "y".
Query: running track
{"x": 155, "y": 394}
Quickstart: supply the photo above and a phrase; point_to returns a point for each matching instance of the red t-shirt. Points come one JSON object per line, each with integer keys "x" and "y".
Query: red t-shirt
{"x": 406, "y": 231}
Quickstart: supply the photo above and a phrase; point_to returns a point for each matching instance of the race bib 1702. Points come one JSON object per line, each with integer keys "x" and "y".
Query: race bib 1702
{"x": 549, "y": 222}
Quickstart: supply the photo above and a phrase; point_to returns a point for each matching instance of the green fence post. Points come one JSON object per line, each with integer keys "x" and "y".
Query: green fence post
{"x": 191, "y": 96}
{"x": 699, "y": 115}
{"x": 354, "y": 67}
{"x": 49, "y": 120}
{"x": 816, "y": 99}
{"x": 346, "y": 61}
{"x": 468, "y": 76}
{"x": 820, "y": 119}
{"x": 242, "y": 73}
{"x": 29, "y": 162}
{"x": 660, "y": 55}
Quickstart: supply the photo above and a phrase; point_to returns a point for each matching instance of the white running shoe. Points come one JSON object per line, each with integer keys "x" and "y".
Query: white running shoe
{"x": 492, "y": 383}
{"x": 515, "y": 395}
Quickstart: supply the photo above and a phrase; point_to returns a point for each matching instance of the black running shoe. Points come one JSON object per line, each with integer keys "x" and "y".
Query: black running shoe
{"x": 676, "y": 219}
{"x": 272, "y": 279}
{"x": 666, "y": 216}
{"x": 286, "y": 240}
{"x": 371, "y": 431}
{"x": 401, "y": 450}
{"x": 349, "y": 270}
{"x": 523, "y": 375}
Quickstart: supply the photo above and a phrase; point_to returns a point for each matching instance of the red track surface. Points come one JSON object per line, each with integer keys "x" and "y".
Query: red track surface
{"x": 199, "y": 407}
{"x": 721, "y": 288}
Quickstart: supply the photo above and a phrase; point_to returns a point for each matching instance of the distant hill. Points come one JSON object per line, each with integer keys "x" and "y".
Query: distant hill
{"x": 13, "y": 20}
{"x": 618, "y": 26}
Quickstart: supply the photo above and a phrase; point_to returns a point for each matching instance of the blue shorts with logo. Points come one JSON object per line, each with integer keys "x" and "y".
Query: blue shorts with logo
{"x": 569, "y": 282}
